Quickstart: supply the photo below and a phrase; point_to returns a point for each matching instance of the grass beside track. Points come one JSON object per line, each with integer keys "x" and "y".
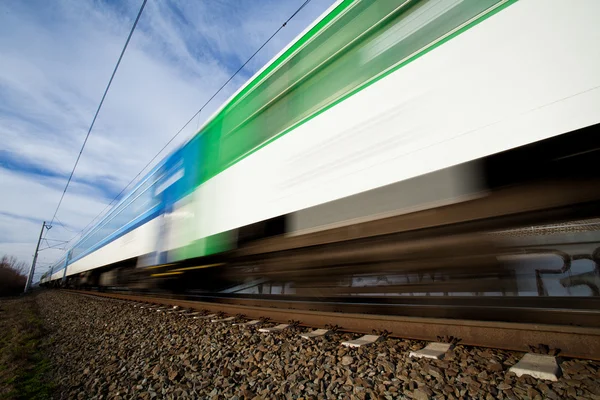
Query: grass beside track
{"x": 24, "y": 370}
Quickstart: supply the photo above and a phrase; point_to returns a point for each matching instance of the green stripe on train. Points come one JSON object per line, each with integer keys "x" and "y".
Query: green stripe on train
{"x": 320, "y": 70}
{"x": 213, "y": 244}
{"x": 336, "y": 59}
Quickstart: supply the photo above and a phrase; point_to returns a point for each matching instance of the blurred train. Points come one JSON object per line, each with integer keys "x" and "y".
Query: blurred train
{"x": 381, "y": 121}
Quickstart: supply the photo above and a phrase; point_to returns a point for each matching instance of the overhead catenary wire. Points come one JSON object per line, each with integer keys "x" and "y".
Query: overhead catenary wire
{"x": 139, "y": 14}
{"x": 63, "y": 225}
{"x": 195, "y": 115}
{"x": 54, "y": 246}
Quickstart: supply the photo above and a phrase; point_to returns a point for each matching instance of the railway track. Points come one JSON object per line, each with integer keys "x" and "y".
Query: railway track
{"x": 557, "y": 329}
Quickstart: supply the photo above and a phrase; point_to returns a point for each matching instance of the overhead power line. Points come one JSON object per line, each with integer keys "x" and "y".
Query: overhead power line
{"x": 63, "y": 225}
{"x": 99, "y": 107}
{"x": 53, "y": 246}
{"x": 198, "y": 112}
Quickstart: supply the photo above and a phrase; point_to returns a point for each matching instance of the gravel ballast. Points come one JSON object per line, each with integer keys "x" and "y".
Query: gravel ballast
{"x": 107, "y": 349}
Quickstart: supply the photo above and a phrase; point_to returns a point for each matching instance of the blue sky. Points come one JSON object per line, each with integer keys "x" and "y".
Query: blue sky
{"x": 56, "y": 60}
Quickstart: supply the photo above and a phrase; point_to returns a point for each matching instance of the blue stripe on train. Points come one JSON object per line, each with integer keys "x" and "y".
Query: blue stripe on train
{"x": 187, "y": 159}
{"x": 142, "y": 219}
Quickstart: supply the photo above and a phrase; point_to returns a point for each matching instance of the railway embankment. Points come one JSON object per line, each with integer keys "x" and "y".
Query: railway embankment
{"x": 25, "y": 368}
{"x": 101, "y": 348}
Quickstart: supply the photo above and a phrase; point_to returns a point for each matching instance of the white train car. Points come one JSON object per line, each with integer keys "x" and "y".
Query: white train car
{"x": 379, "y": 108}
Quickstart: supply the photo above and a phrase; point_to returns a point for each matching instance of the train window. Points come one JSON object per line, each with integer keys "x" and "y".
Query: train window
{"x": 133, "y": 207}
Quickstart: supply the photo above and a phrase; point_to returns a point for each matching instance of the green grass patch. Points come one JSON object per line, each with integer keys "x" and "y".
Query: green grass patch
{"x": 24, "y": 370}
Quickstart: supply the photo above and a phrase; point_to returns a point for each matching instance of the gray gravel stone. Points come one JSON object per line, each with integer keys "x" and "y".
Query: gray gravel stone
{"x": 347, "y": 360}
{"x": 110, "y": 350}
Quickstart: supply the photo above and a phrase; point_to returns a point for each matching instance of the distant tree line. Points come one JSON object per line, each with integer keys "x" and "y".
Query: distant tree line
{"x": 13, "y": 275}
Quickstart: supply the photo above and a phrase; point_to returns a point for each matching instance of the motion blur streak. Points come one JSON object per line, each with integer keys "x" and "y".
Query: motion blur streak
{"x": 398, "y": 150}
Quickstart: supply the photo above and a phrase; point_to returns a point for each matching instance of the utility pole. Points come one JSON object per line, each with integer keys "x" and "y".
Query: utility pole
{"x": 32, "y": 270}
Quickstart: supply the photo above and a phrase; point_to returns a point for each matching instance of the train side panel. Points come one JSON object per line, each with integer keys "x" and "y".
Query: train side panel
{"x": 138, "y": 242}
{"x": 384, "y": 93}
{"x": 499, "y": 85}
{"x": 143, "y": 224}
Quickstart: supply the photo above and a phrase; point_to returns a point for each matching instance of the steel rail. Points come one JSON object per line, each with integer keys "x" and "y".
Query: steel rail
{"x": 578, "y": 342}
{"x": 566, "y": 311}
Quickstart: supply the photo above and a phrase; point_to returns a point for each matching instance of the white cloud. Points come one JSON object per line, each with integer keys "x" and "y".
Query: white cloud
{"x": 26, "y": 202}
{"x": 56, "y": 60}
